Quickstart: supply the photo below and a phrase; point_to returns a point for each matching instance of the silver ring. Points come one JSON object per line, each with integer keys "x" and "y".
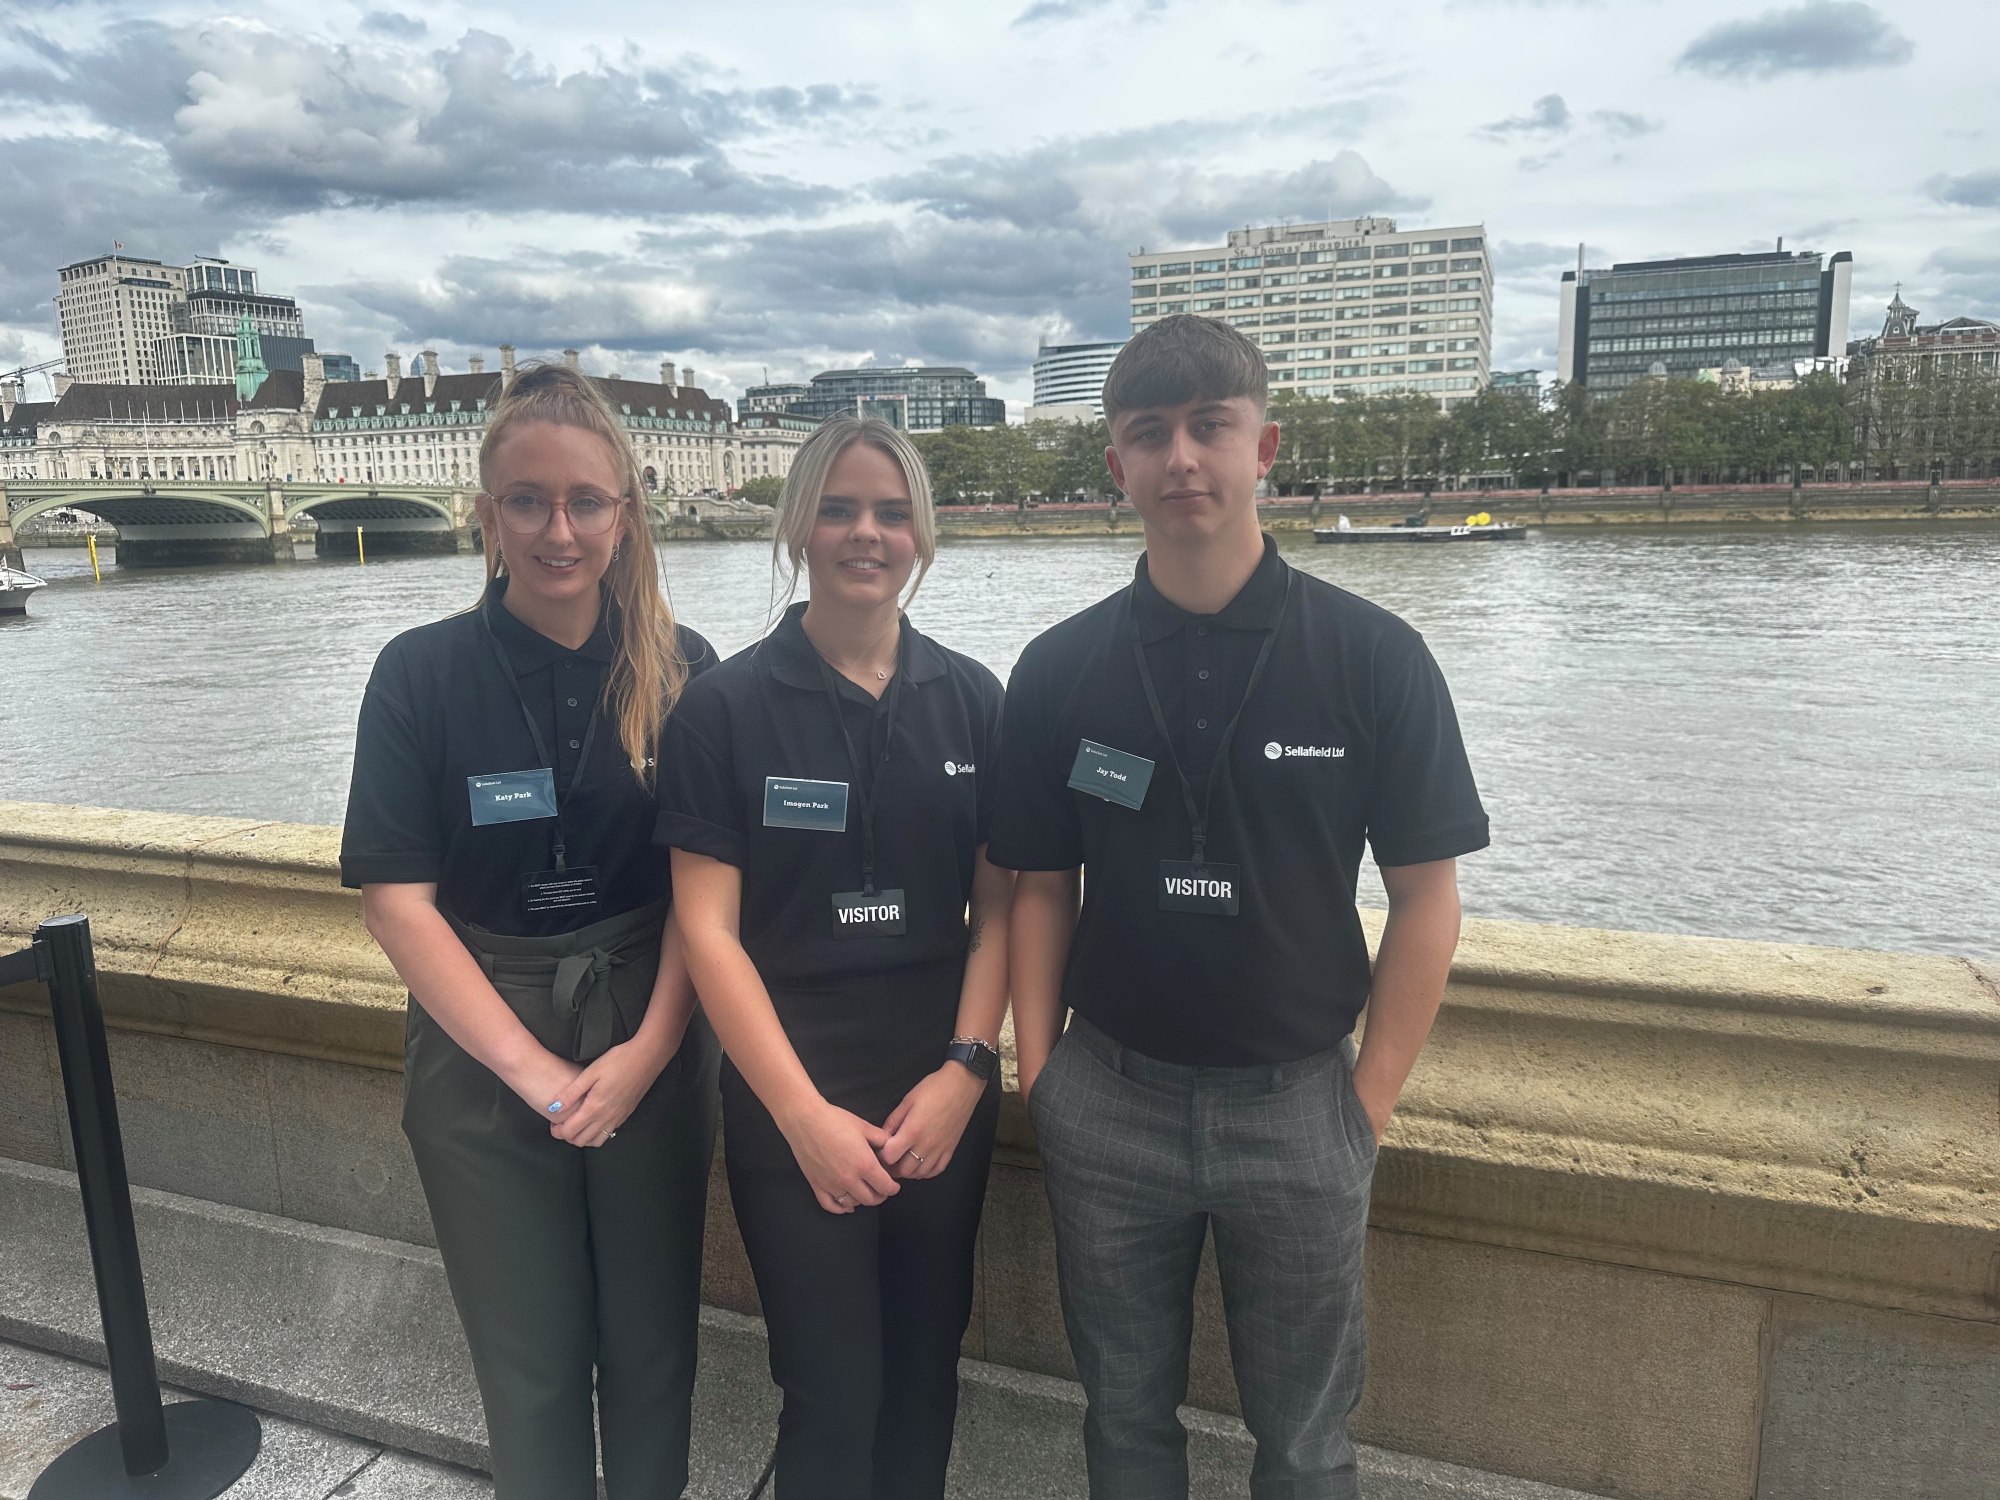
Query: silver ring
{"x": 919, "y": 1159}
{"x": 841, "y": 1198}
{"x": 611, "y": 1135}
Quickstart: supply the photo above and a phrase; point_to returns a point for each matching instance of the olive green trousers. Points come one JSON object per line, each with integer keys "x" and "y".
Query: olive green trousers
{"x": 576, "y": 1271}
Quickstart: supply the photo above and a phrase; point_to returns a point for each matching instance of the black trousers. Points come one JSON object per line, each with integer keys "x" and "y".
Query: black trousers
{"x": 865, "y": 1310}
{"x": 575, "y": 1271}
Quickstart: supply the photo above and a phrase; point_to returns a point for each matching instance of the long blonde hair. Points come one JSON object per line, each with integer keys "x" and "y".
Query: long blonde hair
{"x": 647, "y": 668}
{"x": 798, "y": 503}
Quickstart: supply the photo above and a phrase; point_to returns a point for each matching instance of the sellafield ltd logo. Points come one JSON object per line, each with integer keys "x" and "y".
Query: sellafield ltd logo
{"x": 1276, "y": 751}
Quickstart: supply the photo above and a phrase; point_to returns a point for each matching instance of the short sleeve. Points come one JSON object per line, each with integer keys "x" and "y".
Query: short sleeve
{"x": 1035, "y": 823}
{"x": 394, "y": 831}
{"x": 1423, "y": 805}
{"x": 701, "y": 808}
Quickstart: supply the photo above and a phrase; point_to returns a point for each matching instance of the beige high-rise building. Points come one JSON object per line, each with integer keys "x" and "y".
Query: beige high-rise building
{"x": 112, "y": 311}
{"x": 1348, "y": 307}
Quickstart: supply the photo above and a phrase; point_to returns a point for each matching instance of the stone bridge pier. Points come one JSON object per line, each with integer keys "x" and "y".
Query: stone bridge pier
{"x": 10, "y": 549}
{"x": 388, "y": 526}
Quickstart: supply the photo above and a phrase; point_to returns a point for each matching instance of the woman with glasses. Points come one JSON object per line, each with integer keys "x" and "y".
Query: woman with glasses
{"x": 559, "y": 1090}
{"x": 826, "y": 794}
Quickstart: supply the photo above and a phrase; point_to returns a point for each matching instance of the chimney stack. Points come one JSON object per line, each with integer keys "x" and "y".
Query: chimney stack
{"x": 572, "y": 360}
{"x": 62, "y": 380}
{"x": 667, "y": 373}
{"x": 687, "y": 377}
{"x": 392, "y": 363}
{"x": 10, "y": 397}
{"x": 430, "y": 373}
{"x": 476, "y": 363}
{"x": 315, "y": 382}
{"x": 506, "y": 366}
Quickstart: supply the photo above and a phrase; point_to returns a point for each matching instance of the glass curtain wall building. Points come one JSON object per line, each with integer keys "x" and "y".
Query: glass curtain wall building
{"x": 927, "y": 398}
{"x": 1073, "y": 374}
{"x": 1697, "y": 314}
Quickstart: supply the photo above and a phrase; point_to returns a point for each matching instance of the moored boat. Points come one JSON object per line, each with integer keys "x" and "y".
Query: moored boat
{"x": 1491, "y": 531}
{"x": 15, "y": 586}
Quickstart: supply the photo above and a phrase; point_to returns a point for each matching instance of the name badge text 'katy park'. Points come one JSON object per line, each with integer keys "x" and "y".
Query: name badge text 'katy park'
{"x": 1113, "y": 775}
{"x": 792, "y": 802}
{"x": 511, "y": 796}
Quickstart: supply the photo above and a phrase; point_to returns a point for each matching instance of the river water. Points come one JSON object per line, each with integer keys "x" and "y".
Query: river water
{"x": 1759, "y": 733}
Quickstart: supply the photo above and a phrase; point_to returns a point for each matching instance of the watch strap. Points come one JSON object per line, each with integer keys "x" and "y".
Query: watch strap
{"x": 979, "y": 1058}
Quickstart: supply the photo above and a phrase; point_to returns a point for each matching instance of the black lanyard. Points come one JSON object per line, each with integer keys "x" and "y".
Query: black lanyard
{"x": 563, "y": 794}
{"x": 1198, "y": 816}
{"x": 863, "y": 786}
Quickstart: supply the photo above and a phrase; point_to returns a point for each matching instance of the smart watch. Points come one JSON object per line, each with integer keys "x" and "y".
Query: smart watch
{"x": 975, "y": 1054}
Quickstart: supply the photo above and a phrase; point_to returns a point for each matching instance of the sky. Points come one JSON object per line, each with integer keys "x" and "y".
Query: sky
{"x": 785, "y": 188}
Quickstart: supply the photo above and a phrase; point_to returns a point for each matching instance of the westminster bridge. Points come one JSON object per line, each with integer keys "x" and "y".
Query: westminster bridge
{"x": 168, "y": 524}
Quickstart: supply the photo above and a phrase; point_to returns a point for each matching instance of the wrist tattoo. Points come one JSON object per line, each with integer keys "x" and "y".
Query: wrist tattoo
{"x": 978, "y": 934}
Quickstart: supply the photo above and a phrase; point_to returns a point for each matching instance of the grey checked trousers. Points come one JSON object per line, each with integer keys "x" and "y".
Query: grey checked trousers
{"x": 1142, "y": 1158}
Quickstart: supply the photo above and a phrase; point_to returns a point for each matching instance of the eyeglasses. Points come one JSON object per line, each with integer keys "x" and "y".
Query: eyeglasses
{"x": 589, "y": 515}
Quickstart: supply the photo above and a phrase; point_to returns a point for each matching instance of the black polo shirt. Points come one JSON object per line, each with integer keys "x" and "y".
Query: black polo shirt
{"x": 765, "y": 713}
{"x": 438, "y": 710}
{"x": 1349, "y": 736}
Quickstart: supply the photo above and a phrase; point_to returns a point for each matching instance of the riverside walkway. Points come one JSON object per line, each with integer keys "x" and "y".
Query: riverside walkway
{"x": 1661, "y": 1217}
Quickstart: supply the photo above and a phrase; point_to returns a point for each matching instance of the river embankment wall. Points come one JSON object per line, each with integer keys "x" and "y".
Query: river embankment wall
{"x": 1667, "y": 1217}
{"x": 1698, "y": 505}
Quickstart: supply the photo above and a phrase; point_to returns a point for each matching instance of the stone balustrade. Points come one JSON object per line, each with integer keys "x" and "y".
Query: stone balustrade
{"x": 1659, "y": 1216}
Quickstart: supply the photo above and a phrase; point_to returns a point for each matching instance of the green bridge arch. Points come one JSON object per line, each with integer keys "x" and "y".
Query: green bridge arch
{"x": 127, "y": 504}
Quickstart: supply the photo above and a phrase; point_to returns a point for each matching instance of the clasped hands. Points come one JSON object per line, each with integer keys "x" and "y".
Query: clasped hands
{"x": 586, "y": 1103}
{"x": 851, "y": 1163}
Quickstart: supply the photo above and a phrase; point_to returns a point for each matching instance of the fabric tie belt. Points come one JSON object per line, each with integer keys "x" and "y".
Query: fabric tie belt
{"x": 580, "y": 993}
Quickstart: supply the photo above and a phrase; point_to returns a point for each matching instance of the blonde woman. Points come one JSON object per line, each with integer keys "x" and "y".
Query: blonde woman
{"x": 559, "y": 1091}
{"x": 826, "y": 796}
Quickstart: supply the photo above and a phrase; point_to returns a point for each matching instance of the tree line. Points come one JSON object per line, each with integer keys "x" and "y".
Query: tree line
{"x": 1886, "y": 424}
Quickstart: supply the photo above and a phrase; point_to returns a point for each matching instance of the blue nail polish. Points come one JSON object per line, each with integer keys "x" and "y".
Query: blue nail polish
{"x": 556, "y": 1108}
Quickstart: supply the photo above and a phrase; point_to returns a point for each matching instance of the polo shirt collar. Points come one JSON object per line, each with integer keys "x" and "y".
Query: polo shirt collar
{"x": 1255, "y": 606}
{"x": 529, "y": 650}
{"x": 789, "y": 656}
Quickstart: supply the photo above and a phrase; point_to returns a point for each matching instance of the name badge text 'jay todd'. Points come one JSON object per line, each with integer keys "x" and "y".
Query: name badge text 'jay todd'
{"x": 1211, "y": 890}
{"x": 791, "y": 802}
{"x": 869, "y": 913}
{"x": 511, "y": 796}
{"x": 1113, "y": 775}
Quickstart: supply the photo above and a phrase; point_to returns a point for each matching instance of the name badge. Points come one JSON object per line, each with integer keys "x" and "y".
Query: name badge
{"x": 511, "y": 796}
{"x": 1114, "y": 775}
{"x": 792, "y": 803}
{"x": 1211, "y": 890}
{"x": 858, "y": 914}
{"x": 560, "y": 890}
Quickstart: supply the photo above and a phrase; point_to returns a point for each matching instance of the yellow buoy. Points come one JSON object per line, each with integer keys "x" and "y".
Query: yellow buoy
{"x": 360, "y": 546}
{"x": 90, "y": 540}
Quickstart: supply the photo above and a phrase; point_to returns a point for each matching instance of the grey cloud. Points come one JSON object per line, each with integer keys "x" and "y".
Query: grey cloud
{"x": 68, "y": 199}
{"x": 1072, "y": 10}
{"x": 395, "y": 24}
{"x": 1622, "y": 123}
{"x": 1343, "y": 187}
{"x": 290, "y": 123}
{"x": 1820, "y": 36}
{"x": 1530, "y": 259}
{"x": 1549, "y": 116}
{"x": 1971, "y": 190}
{"x": 1968, "y": 283}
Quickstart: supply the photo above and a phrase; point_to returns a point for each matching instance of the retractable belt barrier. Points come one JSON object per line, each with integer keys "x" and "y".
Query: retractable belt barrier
{"x": 192, "y": 1450}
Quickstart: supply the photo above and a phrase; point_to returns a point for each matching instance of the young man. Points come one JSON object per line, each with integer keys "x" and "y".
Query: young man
{"x": 1213, "y": 744}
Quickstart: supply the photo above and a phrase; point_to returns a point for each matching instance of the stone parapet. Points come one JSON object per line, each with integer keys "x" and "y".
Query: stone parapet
{"x": 1650, "y": 1206}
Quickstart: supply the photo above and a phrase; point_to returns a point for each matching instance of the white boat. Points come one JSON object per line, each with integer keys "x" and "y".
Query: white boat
{"x": 15, "y": 586}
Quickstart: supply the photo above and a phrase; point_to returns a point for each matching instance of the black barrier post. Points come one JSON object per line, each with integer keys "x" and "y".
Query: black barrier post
{"x": 192, "y": 1450}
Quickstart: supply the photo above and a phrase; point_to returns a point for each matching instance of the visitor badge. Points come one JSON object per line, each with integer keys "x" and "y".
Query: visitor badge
{"x": 862, "y": 914}
{"x": 793, "y": 803}
{"x": 1211, "y": 890}
{"x": 560, "y": 890}
{"x": 512, "y": 796}
{"x": 1114, "y": 775}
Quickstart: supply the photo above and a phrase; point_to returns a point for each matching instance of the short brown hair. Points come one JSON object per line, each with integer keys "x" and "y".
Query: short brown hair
{"x": 1184, "y": 358}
